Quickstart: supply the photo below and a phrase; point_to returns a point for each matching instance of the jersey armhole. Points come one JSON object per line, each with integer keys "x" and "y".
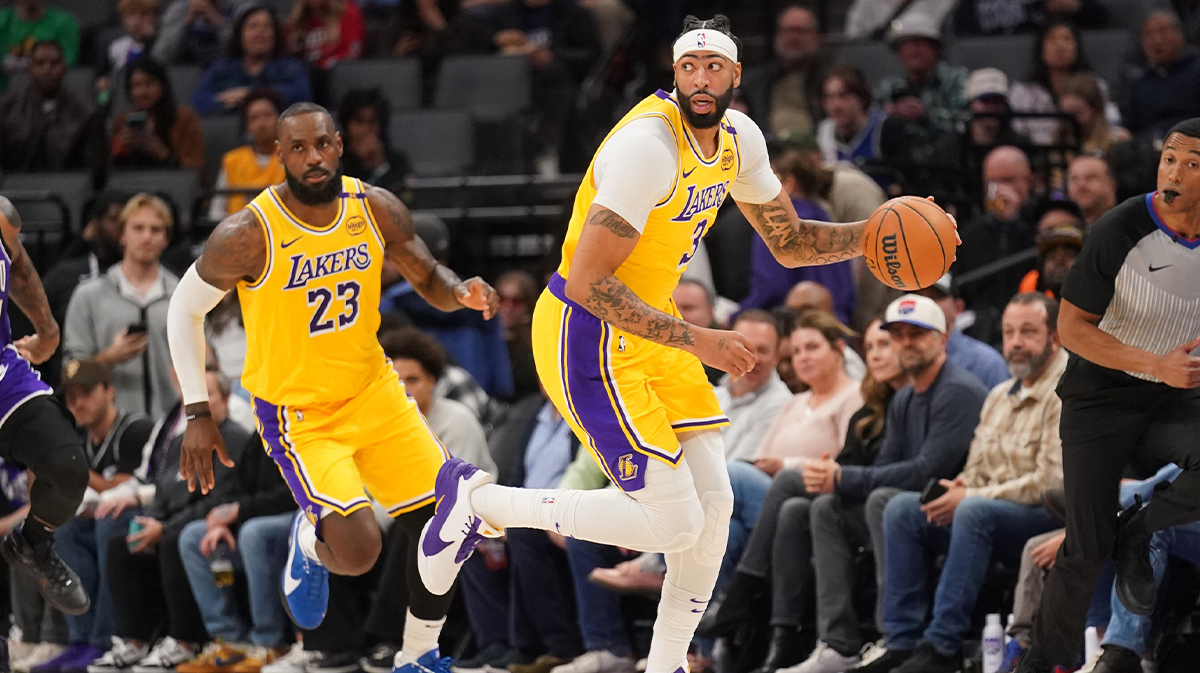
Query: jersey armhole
{"x": 270, "y": 262}
{"x": 371, "y": 217}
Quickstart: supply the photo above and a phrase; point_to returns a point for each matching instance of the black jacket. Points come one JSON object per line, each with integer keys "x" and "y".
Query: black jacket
{"x": 258, "y": 487}
{"x": 174, "y": 505}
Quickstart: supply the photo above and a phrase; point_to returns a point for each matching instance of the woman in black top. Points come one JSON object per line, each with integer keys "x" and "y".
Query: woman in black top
{"x": 775, "y": 574}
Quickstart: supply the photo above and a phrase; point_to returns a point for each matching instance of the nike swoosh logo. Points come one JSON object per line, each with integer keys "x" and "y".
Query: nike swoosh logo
{"x": 687, "y": 173}
{"x": 284, "y": 245}
{"x": 1159, "y": 268}
{"x": 433, "y": 545}
{"x": 290, "y": 583}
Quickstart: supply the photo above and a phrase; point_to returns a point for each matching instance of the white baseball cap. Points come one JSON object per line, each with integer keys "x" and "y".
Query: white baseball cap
{"x": 915, "y": 310}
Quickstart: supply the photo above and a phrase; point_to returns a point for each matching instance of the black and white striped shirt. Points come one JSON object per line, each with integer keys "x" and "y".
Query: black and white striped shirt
{"x": 1141, "y": 277}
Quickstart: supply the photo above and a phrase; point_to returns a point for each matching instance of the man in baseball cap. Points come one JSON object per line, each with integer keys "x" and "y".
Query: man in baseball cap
{"x": 917, "y": 41}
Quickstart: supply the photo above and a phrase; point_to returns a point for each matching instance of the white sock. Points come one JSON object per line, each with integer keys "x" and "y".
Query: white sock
{"x": 674, "y": 628}
{"x": 420, "y": 636}
{"x": 306, "y": 540}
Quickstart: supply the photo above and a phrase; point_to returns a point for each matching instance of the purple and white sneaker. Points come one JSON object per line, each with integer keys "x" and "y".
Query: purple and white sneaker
{"x": 454, "y": 531}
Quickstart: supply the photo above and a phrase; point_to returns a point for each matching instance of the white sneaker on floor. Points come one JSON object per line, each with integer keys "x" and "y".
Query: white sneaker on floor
{"x": 596, "y": 661}
{"x": 39, "y": 655}
{"x": 824, "y": 659}
{"x": 122, "y": 655}
{"x": 294, "y": 661}
{"x": 165, "y": 656}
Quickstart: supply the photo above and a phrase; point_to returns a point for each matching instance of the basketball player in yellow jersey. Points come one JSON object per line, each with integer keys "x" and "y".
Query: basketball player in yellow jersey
{"x": 306, "y": 257}
{"x": 615, "y": 357}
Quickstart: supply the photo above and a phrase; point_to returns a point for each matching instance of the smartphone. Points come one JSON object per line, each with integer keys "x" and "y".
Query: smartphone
{"x": 136, "y": 121}
{"x": 136, "y": 328}
{"x": 933, "y": 491}
{"x": 135, "y": 527}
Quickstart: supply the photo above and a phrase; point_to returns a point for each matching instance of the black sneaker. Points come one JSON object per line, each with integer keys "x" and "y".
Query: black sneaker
{"x": 877, "y": 659}
{"x": 59, "y": 585}
{"x": 332, "y": 662}
{"x": 381, "y": 660}
{"x": 488, "y": 655}
{"x": 1117, "y": 659}
{"x": 1135, "y": 584}
{"x": 926, "y": 659}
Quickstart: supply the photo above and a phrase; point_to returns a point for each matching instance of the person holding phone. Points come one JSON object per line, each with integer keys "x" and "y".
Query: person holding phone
{"x": 155, "y": 132}
{"x": 120, "y": 317}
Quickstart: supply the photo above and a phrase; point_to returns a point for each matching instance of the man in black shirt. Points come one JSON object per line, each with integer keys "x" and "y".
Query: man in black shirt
{"x": 1130, "y": 318}
{"x": 113, "y": 442}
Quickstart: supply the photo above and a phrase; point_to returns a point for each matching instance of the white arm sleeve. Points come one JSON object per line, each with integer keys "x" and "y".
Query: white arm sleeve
{"x": 756, "y": 182}
{"x": 636, "y": 169}
{"x": 192, "y": 300}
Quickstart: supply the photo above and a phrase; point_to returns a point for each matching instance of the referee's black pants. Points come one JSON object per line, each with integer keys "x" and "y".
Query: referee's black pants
{"x": 1107, "y": 416}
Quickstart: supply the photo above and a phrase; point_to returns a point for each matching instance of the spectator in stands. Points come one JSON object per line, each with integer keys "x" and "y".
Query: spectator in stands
{"x": 113, "y": 442}
{"x": 145, "y": 571}
{"x": 1006, "y": 228}
{"x": 696, "y": 305}
{"x": 226, "y": 334}
{"x": 518, "y": 293}
{"x": 477, "y": 345}
{"x": 426, "y": 28}
{"x": 785, "y": 92}
{"x": 560, "y": 41}
{"x": 1092, "y": 186}
{"x": 753, "y": 402}
{"x": 364, "y": 116}
{"x": 256, "y": 60}
{"x": 196, "y": 31}
{"x": 1168, "y": 89}
{"x": 419, "y": 361}
{"x": 804, "y": 181}
{"x": 989, "y": 510}
{"x": 809, "y": 296}
{"x": 42, "y": 123}
{"x": 779, "y": 551}
{"x": 120, "y": 317}
{"x": 252, "y": 522}
{"x": 967, "y": 352}
{"x": 1083, "y": 99}
{"x": 988, "y": 102}
{"x": 155, "y": 132}
{"x": 254, "y": 166}
{"x": 28, "y": 22}
{"x": 995, "y": 17}
{"x": 852, "y": 127}
{"x": 938, "y": 85}
{"x": 325, "y": 32}
{"x": 1059, "y": 240}
{"x": 139, "y": 18}
{"x": 1057, "y": 56}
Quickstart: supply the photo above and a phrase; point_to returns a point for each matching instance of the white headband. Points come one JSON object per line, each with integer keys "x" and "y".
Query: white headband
{"x": 705, "y": 39}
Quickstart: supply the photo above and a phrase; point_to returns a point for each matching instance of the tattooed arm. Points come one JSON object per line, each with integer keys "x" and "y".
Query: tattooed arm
{"x": 25, "y": 288}
{"x": 796, "y": 242}
{"x": 605, "y": 243}
{"x": 436, "y": 283}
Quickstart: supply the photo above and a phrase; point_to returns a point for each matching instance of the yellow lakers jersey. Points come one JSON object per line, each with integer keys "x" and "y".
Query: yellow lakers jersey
{"x": 312, "y": 316}
{"x": 677, "y": 223}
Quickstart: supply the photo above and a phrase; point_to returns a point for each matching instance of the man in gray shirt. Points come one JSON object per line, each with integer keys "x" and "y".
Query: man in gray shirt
{"x": 752, "y": 402}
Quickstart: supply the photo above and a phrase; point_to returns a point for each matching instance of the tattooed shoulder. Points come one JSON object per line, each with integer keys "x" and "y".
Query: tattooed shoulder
{"x": 614, "y": 223}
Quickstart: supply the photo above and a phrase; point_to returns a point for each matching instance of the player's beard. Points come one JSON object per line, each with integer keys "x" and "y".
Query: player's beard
{"x": 315, "y": 196}
{"x": 706, "y": 121}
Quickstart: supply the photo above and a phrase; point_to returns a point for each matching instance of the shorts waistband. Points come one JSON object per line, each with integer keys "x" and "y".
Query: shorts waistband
{"x": 558, "y": 288}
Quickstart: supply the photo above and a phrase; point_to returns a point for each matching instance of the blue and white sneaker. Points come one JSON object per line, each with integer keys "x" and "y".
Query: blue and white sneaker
{"x": 453, "y": 532}
{"x": 430, "y": 662}
{"x": 305, "y": 581}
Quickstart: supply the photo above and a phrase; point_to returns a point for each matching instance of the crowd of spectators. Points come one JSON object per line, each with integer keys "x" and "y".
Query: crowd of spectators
{"x": 861, "y": 397}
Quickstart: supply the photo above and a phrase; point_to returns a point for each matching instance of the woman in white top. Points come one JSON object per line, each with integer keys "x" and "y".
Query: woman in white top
{"x": 1058, "y": 54}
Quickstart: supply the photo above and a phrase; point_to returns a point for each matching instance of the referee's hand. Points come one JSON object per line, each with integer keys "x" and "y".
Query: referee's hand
{"x": 1179, "y": 368}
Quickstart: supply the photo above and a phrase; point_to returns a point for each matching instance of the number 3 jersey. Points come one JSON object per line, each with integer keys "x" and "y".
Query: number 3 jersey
{"x": 312, "y": 316}
{"x": 652, "y": 172}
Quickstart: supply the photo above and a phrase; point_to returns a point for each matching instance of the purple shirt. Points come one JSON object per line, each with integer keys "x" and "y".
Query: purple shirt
{"x": 770, "y": 280}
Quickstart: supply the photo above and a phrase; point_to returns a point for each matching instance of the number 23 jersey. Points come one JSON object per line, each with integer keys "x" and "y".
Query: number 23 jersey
{"x": 311, "y": 318}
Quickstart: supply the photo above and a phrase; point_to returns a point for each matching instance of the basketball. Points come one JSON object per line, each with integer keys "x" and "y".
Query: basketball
{"x": 909, "y": 243}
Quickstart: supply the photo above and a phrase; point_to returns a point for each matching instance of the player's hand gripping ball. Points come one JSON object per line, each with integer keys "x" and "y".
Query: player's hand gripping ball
{"x": 909, "y": 243}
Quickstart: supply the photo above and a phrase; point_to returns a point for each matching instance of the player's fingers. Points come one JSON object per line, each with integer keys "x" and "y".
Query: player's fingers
{"x": 204, "y": 471}
{"x": 224, "y": 455}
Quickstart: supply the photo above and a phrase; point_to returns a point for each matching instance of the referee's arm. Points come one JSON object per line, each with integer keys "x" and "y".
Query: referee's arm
{"x": 1081, "y": 335}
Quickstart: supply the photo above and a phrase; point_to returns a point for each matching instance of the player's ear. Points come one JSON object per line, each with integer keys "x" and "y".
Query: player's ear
{"x": 338, "y": 135}
{"x": 737, "y": 75}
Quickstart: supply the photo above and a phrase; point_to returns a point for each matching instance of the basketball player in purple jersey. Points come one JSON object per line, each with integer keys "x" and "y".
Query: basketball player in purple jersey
{"x": 36, "y": 431}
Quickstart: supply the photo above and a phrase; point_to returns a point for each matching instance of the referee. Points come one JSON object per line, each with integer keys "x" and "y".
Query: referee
{"x": 1130, "y": 318}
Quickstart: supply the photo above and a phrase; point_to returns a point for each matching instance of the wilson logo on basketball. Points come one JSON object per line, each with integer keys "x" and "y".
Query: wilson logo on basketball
{"x": 891, "y": 260}
{"x": 356, "y": 225}
{"x": 727, "y": 160}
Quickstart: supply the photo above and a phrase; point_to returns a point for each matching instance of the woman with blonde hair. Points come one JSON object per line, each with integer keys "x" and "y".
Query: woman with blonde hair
{"x": 1083, "y": 98}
